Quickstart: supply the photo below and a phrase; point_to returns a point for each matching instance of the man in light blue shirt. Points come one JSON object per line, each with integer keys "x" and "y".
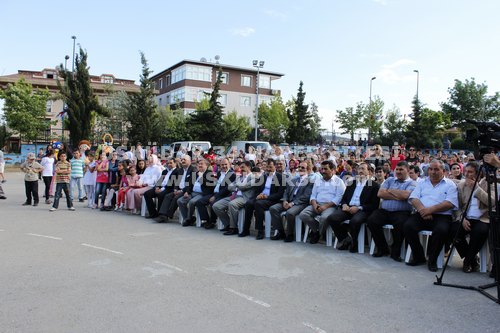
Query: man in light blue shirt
{"x": 326, "y": 195}
{"x": 434, "y": 199}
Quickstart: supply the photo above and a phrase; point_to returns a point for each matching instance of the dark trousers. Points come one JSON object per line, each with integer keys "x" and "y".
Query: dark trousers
{"x": 440, "y": 227}
{"x": 477, "y": 236}
{"x": 204, "y": 206}
{"x": 381, "y": 217}
{"x": 47, "y": 180}
{"x": 149, "y": 195}
{"x": 259, "y": 207}
{"x": 169, "y": 204}
{"x": 31, "y": 188}
{"x": 340, "y": 230}
{"x": 60, "y": 187}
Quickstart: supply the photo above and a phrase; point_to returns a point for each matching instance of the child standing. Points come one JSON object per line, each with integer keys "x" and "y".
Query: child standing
{"x": 31, "y": 168}
{"x": 77, "y": 166}
{"x": 89, "y": 179}
{"x": 63, "y": 171}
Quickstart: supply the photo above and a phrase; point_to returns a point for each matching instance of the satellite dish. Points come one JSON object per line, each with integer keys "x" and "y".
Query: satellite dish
{"x": 203, "y": 59}
{"x": 217, "y": 57}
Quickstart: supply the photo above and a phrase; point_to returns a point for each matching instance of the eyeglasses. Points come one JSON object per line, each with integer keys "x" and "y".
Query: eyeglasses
{"x": 411, "y": 149}
{"x": 302, "y": 168}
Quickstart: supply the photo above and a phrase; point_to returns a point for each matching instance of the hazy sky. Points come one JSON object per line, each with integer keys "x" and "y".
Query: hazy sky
{"x": 335, "y": 47}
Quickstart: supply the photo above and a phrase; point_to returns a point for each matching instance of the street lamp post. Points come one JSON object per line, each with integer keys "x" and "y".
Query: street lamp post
{"x": 73, "y": 60}
{"x": 418, "y": 79}
{"x": 66, "y": 62}
{"x": 257, "y": 64}
{"x": 370, "y": 111}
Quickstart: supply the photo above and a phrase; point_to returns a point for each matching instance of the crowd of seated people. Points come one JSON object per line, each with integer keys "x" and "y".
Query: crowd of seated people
{"x": 409, "y": 190}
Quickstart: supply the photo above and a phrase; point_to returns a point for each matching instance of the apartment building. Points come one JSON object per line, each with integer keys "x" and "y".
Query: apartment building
{"x": 187, "y": 81}
{"x": 47, "y": 78}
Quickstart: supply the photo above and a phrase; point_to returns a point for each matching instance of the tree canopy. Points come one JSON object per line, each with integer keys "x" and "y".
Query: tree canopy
{"x": 25, "y": 109}
{"x": 81, "y": 103}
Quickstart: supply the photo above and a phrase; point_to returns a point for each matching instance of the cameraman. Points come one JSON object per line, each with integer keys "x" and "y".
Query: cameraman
{"x": 492, "y": 159}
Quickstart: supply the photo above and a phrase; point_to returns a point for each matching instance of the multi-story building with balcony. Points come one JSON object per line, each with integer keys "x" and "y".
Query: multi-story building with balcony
{"x": 187, "y": 82}
{"x": 103, "y": 85}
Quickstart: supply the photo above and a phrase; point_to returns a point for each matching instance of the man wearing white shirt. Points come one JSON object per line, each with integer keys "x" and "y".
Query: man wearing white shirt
{"x": 325, "y": 197}
{"x": 434, "y": 199}
{"x": 164, "y": 186}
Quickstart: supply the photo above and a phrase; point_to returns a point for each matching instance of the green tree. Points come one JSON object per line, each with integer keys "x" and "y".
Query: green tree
{"x": 274, "y": 120}
{"x": 395, "y": 126}
{"x": 470, "y": 100}
{"x": 315, "y": 123}
{"x": 141, "y": 109}
{"x": 172, "y": 125}
{"x": 372, "y": 117}
{"x": 116, "y": 124}
{"x": 4, "y": 135}
{"x": 299, "y": 127}
{"x": 434, "y": 124}
{"x": 206, "y": 122}
{"x": 349, "y": 119}
{"x": 415, "y": 131}
{"x": 81, "y": 103}
{"x": 25, "y": 109}
{"x": 235, "y": 127}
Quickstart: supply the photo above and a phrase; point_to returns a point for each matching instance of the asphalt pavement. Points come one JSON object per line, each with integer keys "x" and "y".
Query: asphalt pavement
{"x": 93, "y": 271}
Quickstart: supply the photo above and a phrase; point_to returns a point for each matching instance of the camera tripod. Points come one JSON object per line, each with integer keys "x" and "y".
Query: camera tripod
{"x": 494, "y": 235}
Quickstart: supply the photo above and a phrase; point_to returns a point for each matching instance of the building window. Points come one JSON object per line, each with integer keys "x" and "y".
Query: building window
{"x": 167, "y": 80}
{"x": 48, "y": 106}
{"x": 160, "y": 102}
{"x": 246, "y": 81}
{"x": 179, "y": 74}
{"x": 245, "y": 101}
{"x": 222, "y": 99}
{"x": 178, "y": 95}
{"x": 161, "y": 83}
{"x": 168, "y": 99}
{"x": 50, "y": 75}
{"x": 265, "y": 81}
{"x": 225, "y": 78}
{"x": 199, "y": 73}
{"x": 107, "y": 79}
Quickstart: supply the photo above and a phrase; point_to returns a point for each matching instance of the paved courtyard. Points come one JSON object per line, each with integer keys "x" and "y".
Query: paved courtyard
{"x": 93, "y": 271}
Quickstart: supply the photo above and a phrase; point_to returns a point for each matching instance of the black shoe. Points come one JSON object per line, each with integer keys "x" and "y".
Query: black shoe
{"x": 432, "y": 266}
{"x": 3, "y": 197}
{"x": 225, "y": 229}
{"x": 353, "y": 248}
{"x": 416, "y": 262}
{"x": 344, "y": 244}
{"x": 209, "y": 225}
{"x": 81, "y": 200}
{"x": 289, "y": 238}
{"x": 155, "y": 215}
{"x": 260, "y": 235}
{"x": 231, "y": 231}
{"x": 26, "y": 204}
{"x": 244, "y": 233}
{"x": 187, "y": 223}
{"x": 314, "y": 237}
{"x": 35, "y": 204}
{"x": 381, "y": 253}
{"x": 161, "y": 219}
{"x": 279, "y": 236}
{"x": 396, "y": 257}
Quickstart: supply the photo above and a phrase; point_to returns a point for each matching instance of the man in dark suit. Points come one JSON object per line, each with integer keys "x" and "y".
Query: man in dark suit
{"x": 225, "y": 176}
{"x": 202, "y": 187}
{"x": 163, "y": 186}
{"x": 295, "y": 199}
{"x": 358, "y": 202}
{"x": 270, "y": 192}
{"x": 183, "y": 183}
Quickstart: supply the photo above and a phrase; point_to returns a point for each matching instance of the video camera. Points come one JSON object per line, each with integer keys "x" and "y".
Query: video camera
{"x": 485, "y": 137}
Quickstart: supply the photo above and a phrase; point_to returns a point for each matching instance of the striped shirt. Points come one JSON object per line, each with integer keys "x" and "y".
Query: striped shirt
{"x": 397, "y": 205}
{"x": 62, "y": 166}
{"x": 77, "y": 166}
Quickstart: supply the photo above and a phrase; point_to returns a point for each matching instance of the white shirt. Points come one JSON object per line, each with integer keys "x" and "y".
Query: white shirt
{"x": 48, "y": 166}
{"x": 431, "y": 195}
{"x": 183, "y": 180}
{"x": 165, "y": 180}
{"x": 267, "y": 186}
{"x": 325, "y": 191}
{"x": 474, "y": 212}
{"x": 219, "y": 181}
{"x": 355, "y": 200}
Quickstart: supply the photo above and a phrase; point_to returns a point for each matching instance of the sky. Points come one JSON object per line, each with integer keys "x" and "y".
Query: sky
{"x": 335, "y": 47}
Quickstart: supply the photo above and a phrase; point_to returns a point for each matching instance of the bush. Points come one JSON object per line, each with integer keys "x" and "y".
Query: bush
{"x": 458, "y": 143}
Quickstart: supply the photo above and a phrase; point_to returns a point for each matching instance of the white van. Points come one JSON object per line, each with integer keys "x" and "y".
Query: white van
{"x": 190, "y": 146}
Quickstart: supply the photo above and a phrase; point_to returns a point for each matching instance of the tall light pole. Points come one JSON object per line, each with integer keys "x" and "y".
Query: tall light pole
{"x": 418, "y": 79}
{"x": 257, "y": 64}
{"x": 73, "y": 60}
{"x": 370, "y": 111}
